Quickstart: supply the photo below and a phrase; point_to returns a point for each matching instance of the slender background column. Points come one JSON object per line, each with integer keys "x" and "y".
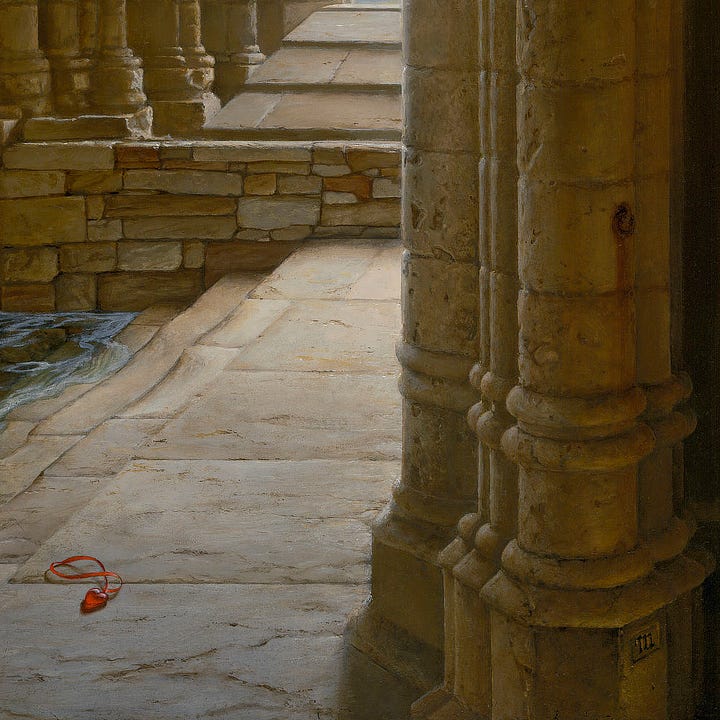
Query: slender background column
{"x": 439, "y": 344}
{"x": 24, "y": 70}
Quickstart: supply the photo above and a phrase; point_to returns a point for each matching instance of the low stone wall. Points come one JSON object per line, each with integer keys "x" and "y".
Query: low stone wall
{"x": 120, "y": 226}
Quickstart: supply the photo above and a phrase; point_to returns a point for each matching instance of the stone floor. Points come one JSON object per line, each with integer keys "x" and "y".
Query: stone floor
{"x": 336, "y": 76}
{"x": 230, "y": 473}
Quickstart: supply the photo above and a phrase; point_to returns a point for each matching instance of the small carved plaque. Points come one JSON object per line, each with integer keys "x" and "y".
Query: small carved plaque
{"x": 645, "y": 641}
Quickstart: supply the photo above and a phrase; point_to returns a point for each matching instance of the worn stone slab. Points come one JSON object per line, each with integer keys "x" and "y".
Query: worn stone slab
{"x": 267, "y": 213}
{"x": 225, "y": 652}
{"x": 133, "y": 291}
{"x": 40, "y": 221}
{"x": 249, "y": 321}
{"x": 149, "y": 255}
{"x": 167, "y": 205}
{"x": 370, "y": 66}
{"x": 29, "y": 183}
{"x": 34, "y": 264}
{"x": 33, "y": 516}
{"x": 7, "y": 571}
{"x": 321, "y": 270}
{"x": 246, "y": 110}
{"x": 303, "y": 65}
{"x": 60, "y": 156}
{"x": 19, "y": 469}
{"x": 382, "y": 280}
{"x": 323, "y": 335}
{"x": 250, "y": 152}
{"x": 375, "y": 213}
{"x": 198, "y": 521}
{"x": 147, "y": 368}
{"x": 197, "y": 368}
{"x": 13, "y": 434}
{"x": 38, "y": 410}
{"x": 217, "y": 227}
{"x": 106, "y": 450}
{"x": 290, "y": 415}
{"x": 136, "y": 335}
{"x": 343, "y": 26}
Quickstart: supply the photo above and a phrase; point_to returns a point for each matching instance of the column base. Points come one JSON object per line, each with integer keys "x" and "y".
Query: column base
{"x": 27, "y": 83}
{"x": 184, "y": 117}
{"x": 559, "y": 653}
{"x": 91, "y": 127}
{"x": 440, "y": 704}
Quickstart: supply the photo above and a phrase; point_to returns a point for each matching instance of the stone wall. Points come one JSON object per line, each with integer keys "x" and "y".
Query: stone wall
{"x": 119, "y": 226}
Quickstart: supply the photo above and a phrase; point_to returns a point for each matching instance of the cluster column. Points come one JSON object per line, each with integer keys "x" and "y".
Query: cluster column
{"x": 231, "y": 35}
{"x": 580, "y": 610}
{"x": 439, "y": 345}
{"x": 179, "y": 105}
{"x": 24, "y": 70}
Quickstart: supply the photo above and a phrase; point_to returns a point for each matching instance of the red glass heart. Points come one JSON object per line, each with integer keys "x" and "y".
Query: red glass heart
{"x": 95, "y": 599}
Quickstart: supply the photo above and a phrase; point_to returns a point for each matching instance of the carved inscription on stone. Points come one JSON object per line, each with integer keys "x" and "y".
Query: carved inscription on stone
{"x": 645, "y": 641}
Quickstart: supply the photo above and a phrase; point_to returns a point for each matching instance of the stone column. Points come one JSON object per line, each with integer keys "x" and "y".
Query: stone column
{"x": 579, "y": 615}
{"x": 231, "y": 35}
{"x": 24, "y": 70}
{"x": 199, "y": 62}
{"x": 180, "y": 107}
{"x": 117, "y": 77}
{"x": 69, "y": 66}
{"x": 467, "y": 687}
{"x": 439, "y": 344}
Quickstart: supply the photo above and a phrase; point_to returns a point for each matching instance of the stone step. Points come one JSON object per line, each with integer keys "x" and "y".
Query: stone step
{"x": 325, "y": 115}
{"x": 353, "y": 68}
{"x": 343, "y": 26}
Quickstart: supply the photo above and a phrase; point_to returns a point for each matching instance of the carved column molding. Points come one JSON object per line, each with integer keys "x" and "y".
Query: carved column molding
{"x": 69, "y": 65}
{"x": 438, "y": 484}
{"x": 24, "y": 70}
{"x": 231, "y": 35}
{"x": 117, "y": 77}
{"x": 580, "y": 610}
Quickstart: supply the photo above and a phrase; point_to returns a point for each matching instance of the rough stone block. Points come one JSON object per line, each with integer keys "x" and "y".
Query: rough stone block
{"x": 250, "y": 234}
{"x": 181, "y": 151}
{"x": 137, "y": 291}
{"x": 60, "y": 156}
{"x": 338, "y": 198}
{"x": 28, "y": 265}
{"x": 31, "y": 183}
{"x": 42, "y": 221}
{"x": 174, "y": 228}
{"x": 375, "y": 213}
{"x": 387, "y": 188}
{"x": 167, "y": 205}
{"x": 359, "y": 185}
{"x": 299, "y": 185}
{"x": 104, "y": 230}
{"x": 264, "y": 184}
{"x": 363, "y": 159}
{"x": 136, "y": 156}
{"x": 194, "y": 165}
{"x": 189, "y": 182}
{"x": 283, "y": 168}
{"x": 193, "y": 254}
{"x": 292, "y": 233}
{"x": 88, "y": 257}
{"x": 252, "y": 152}
{"x": 76, "y": 292}
{"x": 330, "y": 170}
{"x": 328, "y": 155}
{"x": 28, "y": 298}
{"x": 94, "y": 207}
{"x": 149, "y": 255}
{"x": 272, "y": 213}
{"x": 94, "y": 181}
{"x": 223, "y": 258}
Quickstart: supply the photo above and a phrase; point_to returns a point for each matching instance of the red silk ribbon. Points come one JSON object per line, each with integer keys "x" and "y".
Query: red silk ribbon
{"x": 96, "y": 598}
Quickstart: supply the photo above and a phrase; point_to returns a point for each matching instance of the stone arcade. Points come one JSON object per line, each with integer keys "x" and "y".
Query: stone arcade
{"x": 558, "y": 218}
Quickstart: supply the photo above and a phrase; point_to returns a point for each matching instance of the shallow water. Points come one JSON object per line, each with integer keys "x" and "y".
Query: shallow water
{"x": 81, "y": 350}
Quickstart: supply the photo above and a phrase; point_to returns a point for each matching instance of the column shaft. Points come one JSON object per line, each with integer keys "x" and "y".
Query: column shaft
{"x": 440, "y": 339}
{"x": 24, "y": 70}
{"x": 200, "y": 63}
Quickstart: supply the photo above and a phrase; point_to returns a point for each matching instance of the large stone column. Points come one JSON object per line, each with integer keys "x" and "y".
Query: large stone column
{"x": 580, "y": 611}
{"x": 439, "y": 344}
{"x": 69, "y": 67}
{"x": 24, "y": 70}
{"x": 231, "y": 35}
{"x": 180, "y": 107}
{"x": 466, "y": 691}
{"x": 199, "y": 62}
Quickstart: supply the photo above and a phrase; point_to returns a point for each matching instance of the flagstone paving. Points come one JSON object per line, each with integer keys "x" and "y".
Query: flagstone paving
{"x": 230, "y": 473}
